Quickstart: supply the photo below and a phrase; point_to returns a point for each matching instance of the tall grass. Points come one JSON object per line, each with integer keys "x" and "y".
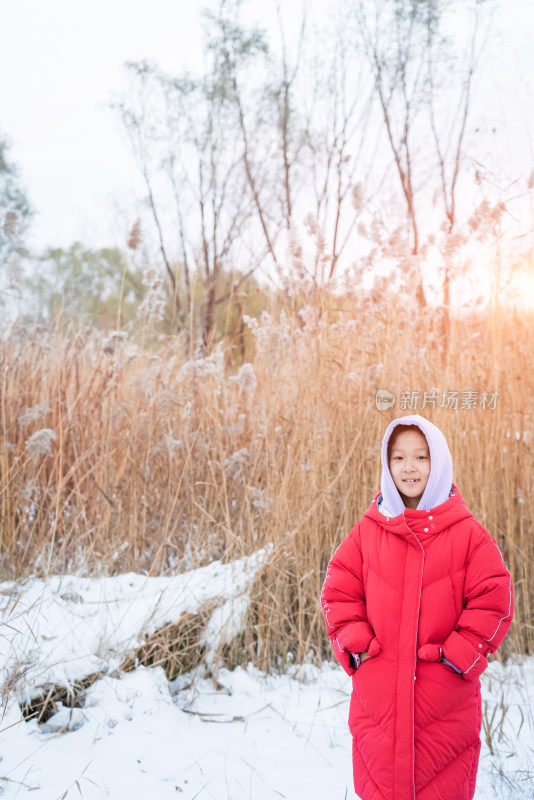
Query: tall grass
{"x": 118, "y": 456}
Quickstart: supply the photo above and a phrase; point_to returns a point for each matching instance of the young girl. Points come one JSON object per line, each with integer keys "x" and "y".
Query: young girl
{"x": 414, "y": 599}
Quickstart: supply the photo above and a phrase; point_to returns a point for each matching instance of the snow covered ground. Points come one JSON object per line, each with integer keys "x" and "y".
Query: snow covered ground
{"x": 61, "y": 629}
{"x": 246, "y": 735}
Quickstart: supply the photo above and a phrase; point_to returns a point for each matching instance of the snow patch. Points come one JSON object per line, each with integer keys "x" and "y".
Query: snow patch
{"x": 60, "y": 630}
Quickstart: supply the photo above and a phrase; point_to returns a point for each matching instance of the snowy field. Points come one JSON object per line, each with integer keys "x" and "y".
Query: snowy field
{"x": 245, "y": 735}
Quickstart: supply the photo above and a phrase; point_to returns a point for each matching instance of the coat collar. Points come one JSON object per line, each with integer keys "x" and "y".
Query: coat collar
{"x": 422, "y": 521}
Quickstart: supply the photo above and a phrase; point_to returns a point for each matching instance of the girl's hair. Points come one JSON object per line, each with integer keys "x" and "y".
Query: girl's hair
{"x": 401, "y": 429}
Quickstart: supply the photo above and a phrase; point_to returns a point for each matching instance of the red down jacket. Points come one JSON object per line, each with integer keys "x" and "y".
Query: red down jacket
{"x": 410, "y": 589}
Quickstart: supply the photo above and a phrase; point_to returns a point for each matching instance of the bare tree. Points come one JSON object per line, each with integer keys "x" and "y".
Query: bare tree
{"x": 269, "y": 137}
{"x": 313, "y": 123}
{"x": 185, "y": 143}
{"x": 141, "y": 126}
{"x": 449, "y": 138}
{"x": 412, "y": 63}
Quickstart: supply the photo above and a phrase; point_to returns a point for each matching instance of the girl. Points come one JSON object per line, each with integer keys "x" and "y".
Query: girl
{"x": 414, "y": 599}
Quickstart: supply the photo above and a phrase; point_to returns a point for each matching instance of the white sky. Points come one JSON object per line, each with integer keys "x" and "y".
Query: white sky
{"x": 61, "y": 63}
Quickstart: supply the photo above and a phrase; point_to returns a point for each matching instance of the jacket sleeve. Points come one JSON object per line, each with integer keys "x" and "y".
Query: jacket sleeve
{"x": 343, "y": 603}
{"x": 487, "y": 612}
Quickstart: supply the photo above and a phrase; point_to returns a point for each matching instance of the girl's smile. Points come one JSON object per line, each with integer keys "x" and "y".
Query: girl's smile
{"x": 409, "y": 464}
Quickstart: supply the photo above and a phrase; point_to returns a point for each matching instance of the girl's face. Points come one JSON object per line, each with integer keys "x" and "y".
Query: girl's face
{"x": 409, "y": 464}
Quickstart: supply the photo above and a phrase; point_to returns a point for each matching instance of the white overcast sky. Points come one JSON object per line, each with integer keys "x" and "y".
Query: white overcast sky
{"x": 61, "y": 63}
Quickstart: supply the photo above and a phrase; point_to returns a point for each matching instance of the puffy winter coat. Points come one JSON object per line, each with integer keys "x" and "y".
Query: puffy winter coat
{"x": 411, "y": 589}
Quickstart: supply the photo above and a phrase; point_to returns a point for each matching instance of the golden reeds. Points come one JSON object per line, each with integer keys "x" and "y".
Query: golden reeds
{"x": 120, "y": 457}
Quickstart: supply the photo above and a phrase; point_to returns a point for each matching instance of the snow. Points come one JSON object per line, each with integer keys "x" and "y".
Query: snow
{"x": 255, "y": 736}
{"x": 61, "y": 629}
{"x": 230, "y": 735}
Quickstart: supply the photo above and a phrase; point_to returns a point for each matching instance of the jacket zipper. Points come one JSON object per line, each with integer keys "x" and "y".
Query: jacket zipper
{"x": 415, "y": 654}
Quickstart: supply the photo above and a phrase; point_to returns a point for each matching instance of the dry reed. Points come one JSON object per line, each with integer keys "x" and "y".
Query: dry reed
{"x": 118, "y": 456}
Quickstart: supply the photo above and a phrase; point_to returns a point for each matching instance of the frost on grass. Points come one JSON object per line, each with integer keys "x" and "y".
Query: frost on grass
{"x": 113, "y": 342}
{"x": 212, "y": 365}
{"x": 246, "y": 378}
{"x": 153, "y": 305}
{"x": 29, "y": 415}
{"x": 237, "y": 462}
{"x": 40, "y": 443}
{"x": 258, "y": 497}
{"x": 172, "y": 444}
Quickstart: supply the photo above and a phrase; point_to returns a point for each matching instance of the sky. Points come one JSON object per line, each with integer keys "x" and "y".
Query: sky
{"x": 62, "y": 63}
{"x": 64, "y": 59}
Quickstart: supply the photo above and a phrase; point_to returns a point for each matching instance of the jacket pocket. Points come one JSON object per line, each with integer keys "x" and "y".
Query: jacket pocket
{"x": 374, "y": 648}
{"x": 434, "y": 653}
{"x": 430, "y": 652}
